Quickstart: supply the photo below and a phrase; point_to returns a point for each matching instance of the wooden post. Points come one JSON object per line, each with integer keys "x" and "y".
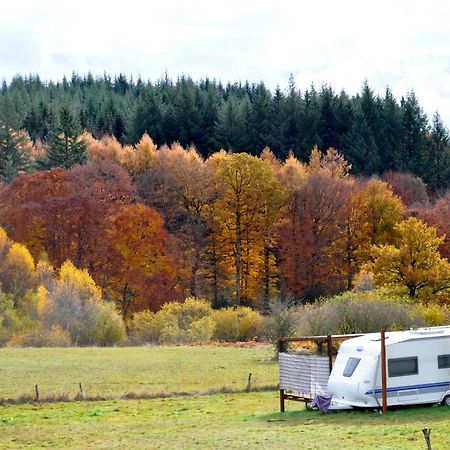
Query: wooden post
{"x": 36, "y": 390}
{"x": 330, "y": 352}
{"x": 281, "y": 346}
{"x": 426, "y": 433}
{"x": 383, "y": 373}
{"x": 249, "y": 383}
{"x": 282, "y": 400}
{"x": 281, "y": 349}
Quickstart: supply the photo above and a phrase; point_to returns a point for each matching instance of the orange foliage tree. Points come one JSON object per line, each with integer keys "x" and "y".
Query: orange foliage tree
{"x": 143, "y": 274}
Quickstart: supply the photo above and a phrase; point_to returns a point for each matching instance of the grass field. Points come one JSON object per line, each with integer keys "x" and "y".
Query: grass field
{"x": 238, "y": 420}
{"x": 246, "y": 421}
{"x": 116, "y": 371}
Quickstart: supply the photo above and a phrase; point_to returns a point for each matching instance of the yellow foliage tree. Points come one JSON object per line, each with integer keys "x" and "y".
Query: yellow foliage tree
{"x": 382, "y": 210}
{"x": 17, "y": 271}
{"x": 4, "y": 243}
{"x": 78, "y": 282}
{"x": 414, "y": 262}
{"x": 43, "y": 302}
{"x": 248, "y": 200}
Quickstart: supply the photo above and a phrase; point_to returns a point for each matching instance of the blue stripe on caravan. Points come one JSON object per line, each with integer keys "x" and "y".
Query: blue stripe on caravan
{"x": 413, "y": 386}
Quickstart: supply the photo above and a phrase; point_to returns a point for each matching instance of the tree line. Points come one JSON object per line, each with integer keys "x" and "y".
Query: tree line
{"x": 158, "y": 224}
{"x": 375, "y": 134}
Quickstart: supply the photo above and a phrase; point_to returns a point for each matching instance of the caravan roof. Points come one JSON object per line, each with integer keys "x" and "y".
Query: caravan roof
{"x": 370, "y": 343}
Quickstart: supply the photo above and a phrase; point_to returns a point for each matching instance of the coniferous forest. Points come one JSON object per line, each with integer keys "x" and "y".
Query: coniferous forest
{"x": 375, "y": 134}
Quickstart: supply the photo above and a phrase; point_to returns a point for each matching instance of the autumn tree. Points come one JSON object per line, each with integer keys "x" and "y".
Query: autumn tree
{"x": 143, "y": 274}
{"x": 414, "y": 262}
{"x": 382, "y": 210}
{"x": 17, "y": 272}
{"x": 179, "y": 185}
{"x": 437, "y": 216}
{"x": 410, "y": 189}
{"x": 67, "y": 214}
{"x": 247, "y": 190}
{"x": 352, "y": 240}
{"x": 75, "y": 304}
{"x": 31, "y": 211}
{"x": 312, "y": 221}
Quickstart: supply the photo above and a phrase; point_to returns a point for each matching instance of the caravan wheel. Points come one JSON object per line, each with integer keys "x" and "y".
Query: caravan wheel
{"x": 446, "y": 401}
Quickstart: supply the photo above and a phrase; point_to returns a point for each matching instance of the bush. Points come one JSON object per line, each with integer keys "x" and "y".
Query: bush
{"x": 176, "y": 322}
{"x": 236, "y": 324}
{"x": 11, "y": 321}
{"x": 282, "y": 321}
{"x": 104, "y": 326}
{"x": 353, "y": 312}
{"x": 56, "y": 337}
{"x": 142, "y": 328}
{"x": 435, "y": 315}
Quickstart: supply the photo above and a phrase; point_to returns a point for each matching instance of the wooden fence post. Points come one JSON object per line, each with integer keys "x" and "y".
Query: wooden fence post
{"x": 281, "y": 348}
{"x": 282, "y": 400}
{"x": 330, "y": 351}
{"x": 383, "y": 373}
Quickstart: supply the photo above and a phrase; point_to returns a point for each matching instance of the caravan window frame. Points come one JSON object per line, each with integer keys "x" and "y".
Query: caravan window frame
{"x": 350, "y": 367}
{"x": 396, "y": 372}
{"x": 443, "y": 361}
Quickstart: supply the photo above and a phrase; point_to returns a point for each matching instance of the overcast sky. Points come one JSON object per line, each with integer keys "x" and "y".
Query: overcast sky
{"x": 403, "y": 44}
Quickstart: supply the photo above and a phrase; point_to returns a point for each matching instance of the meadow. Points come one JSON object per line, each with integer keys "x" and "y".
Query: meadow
{"x": 114, "y": 372}
{"x": 246, "y": 420}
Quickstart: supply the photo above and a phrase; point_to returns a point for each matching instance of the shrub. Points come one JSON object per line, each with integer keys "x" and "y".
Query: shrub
{"x": 143, "y": 329}
{"x": 353, "y": 312}
{"x": 104, "y": 326}
{"x": 282, "y": 320}
{"x": 236, "y": 324}
{"x": 11, "y": 322}
{"x": 176, "y": 322}
{"x": 435, "y": 315}
{"x": 56, "y": 337}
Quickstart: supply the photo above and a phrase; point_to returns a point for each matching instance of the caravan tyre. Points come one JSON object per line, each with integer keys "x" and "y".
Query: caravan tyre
{"x": 446, "y": 401}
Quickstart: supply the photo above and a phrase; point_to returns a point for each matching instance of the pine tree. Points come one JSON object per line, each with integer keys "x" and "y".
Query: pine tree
{"x": 227, "y": 127}
{"x": 64, "y": 147}
{"x": 413, "y": 148}
{"x": 290, "y": 127}
{"x": 328, "y": 120}
{"x": 15, "y": 145}
{"x": 390, "y": 132}
{"x": 437, "y": 175}
{"x": 15, "y": 153}
{"x": 148, "y": 117}
{"x": 361, "y": 141}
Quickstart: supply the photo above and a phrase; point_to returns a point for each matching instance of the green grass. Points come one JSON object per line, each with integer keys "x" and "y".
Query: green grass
{"x": 244, "y": 420}
{"x": 112, "y": 372}
{"x": 247, "y": 421}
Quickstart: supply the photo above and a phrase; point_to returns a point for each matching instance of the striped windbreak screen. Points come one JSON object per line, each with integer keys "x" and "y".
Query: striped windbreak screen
{"x": 304, "y": 375}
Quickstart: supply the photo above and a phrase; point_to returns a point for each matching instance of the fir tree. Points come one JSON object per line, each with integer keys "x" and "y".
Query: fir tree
{"x": 64, "y": 147}
{"x": 438, "y": 163}
{"x": 15, "y": 153}
{"x": 412, "y": 156}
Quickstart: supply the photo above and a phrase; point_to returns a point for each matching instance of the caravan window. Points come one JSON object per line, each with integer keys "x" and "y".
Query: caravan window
{"x": 400, "y": 367}
{"x": 444, "y": 361}
{"x": 350, "y": 367}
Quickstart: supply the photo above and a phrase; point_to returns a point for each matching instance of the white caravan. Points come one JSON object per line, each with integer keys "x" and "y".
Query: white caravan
{"x": 418, "y": 369}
